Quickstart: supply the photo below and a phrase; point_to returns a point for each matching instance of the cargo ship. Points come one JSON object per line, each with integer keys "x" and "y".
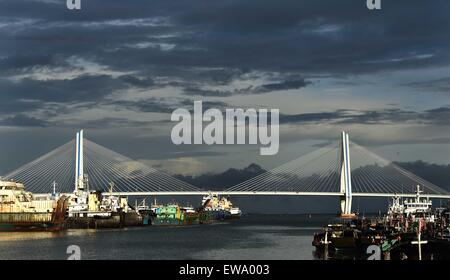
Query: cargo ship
{"x": 94, "y": 210}
{"x": 23, "y": 211}
{"x": 219, "y": 208}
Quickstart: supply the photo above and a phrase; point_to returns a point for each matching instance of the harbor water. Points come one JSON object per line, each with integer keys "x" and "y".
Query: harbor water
{"x": 249, "y": 238}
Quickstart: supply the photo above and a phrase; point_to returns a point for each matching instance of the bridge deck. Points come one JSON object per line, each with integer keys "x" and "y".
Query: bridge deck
{"x": 264, "y": 193}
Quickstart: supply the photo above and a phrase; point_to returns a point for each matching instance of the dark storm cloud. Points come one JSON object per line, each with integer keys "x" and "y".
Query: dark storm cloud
{"x": 287, "y": 36}
{"x": 86, "y": 91}
{"x": 81, "y": 88}
{"x": 138, "y": 82}
{"x": 158, "y": 105}
{"x": 111, "y": 122}
{"x": 195, "y": 46}
{"x": 22, "y": 61}
{"x": 441, "y": 85}
{"x": 265, "y": 88}
{"x": 147, "y": 105}
{"x": 436, "y": 116}
{"x": 292, "y": 84}
{"x": 22, "y": 121}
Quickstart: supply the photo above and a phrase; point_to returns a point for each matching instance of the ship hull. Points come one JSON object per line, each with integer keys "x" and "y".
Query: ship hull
{"x": 113, "y": 220}
{"x": 211, "y": 216}
{"x": 30, "y": 226}
{"x": 191, "y": 219}
{"x": 166, "y": 222}
{"x": 37, "y": 221}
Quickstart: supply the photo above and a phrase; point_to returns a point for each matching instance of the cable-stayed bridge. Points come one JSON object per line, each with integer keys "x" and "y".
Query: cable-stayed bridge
{"x": 343, "y": 169}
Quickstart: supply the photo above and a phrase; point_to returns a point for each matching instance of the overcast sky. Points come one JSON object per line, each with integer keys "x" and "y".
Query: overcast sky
{"x": 119, "y": 68}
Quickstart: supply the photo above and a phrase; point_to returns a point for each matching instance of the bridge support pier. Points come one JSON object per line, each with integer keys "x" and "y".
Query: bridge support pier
{"x": 346, "y": 179}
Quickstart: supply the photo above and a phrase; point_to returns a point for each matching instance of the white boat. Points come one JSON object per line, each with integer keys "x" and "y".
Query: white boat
{"x": 212, "y": 202}
{"x": 418, "y": 204}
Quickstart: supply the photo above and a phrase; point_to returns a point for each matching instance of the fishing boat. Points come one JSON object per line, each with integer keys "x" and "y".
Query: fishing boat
{"x": 23, "y": 211}
{"x": 168, "y": 215}
{"x": 219, "y": 208}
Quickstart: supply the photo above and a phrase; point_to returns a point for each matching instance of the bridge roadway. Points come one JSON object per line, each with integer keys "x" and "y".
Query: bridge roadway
{"x": 273, "y": 193}
{"x": 262, "y": 193}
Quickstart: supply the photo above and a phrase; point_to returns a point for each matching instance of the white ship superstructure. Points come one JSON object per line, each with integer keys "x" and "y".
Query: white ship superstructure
{"x": 418, "y": 204}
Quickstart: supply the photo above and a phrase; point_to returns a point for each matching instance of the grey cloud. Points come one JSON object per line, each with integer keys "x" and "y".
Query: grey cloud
{"x": 265, "y": 88}
{"x": 229, "y": 35}
{"x": 291, "y": 84}
{"x": 138, "y": 82}
{"x": 110, "y": 122}
{"x": 23, "y": 121}
{"x": 441, "y": 85}
{"x": 146, "y": 105}
{"x": 82, "y": 88}
{"x": 436, "y": 116}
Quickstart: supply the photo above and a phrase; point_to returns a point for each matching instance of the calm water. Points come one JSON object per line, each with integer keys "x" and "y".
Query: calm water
{"x": 251, "y": 237}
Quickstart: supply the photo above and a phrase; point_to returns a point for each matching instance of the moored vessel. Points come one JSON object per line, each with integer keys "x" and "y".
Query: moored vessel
{"x": 219, "y": 208}
{"x": 23, "y": 211}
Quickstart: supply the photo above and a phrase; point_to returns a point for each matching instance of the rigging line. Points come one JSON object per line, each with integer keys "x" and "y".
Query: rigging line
{"x": 359, "y": 186}
{"x": 315, "y": 175}
{"x": 389, "y": 185}
{"x": 437, "y": 189}
{"x": 61, "y": 169}
{"x": 334, "y": 177}
{"x": 41, "y": 173}
{"x": 26, "y": 173}
{"x": 357, "y": 174}
{"x": 394, "y": 179}
{"x": 418, "y": 179}
{"x": 99, "y": 177}
{"x": 158, "y": 171}
{"x": 365, "y": 172}
{"x": 327, "y": 184}
{"x": 273, "y": 173}
{"x": 113, "y": 169}
{"x": 326, "y": 174}
{"x": 36, "y": 160}
{"x": 294, "y": 179}
{"x": 370, "y": 169}
{"x": 104, "y": 180}
{"x": 31, "y": 170}
{"x": 311, "y": 180}
{"x": 139, "y": 178}
{"x": 329, "y": 180}
{"x": 366, "y": 178}
{"x": 398, "y": 179}
{"x": 268, "y": 173}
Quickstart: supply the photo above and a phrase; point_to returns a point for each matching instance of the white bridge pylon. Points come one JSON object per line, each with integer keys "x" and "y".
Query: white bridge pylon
{"x": 346, "y": 178}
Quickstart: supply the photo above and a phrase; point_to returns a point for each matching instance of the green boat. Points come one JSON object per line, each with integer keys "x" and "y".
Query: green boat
{"x": 169, "y": 215}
